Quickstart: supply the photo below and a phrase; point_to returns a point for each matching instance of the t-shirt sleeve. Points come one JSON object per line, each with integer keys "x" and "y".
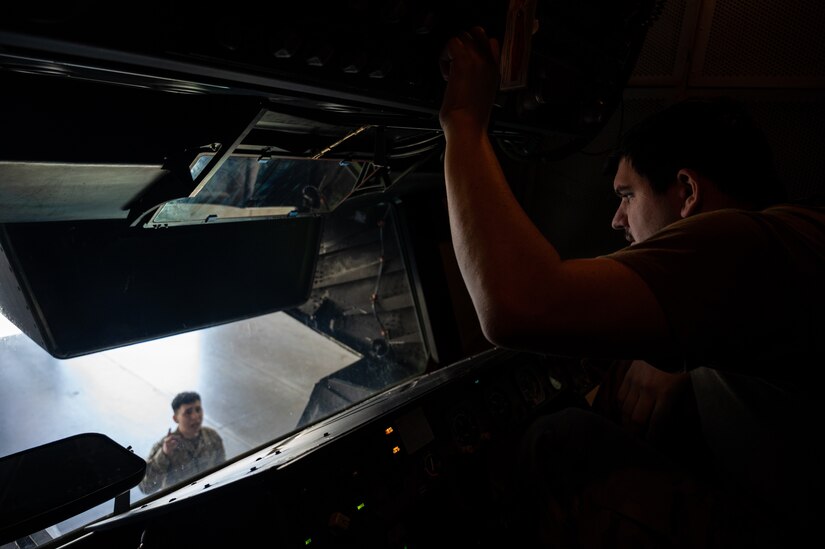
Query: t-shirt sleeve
{"x": 712, "y": 275}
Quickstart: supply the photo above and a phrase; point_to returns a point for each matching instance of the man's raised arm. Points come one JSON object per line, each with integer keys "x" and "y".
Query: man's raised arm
{"x": 525, "y": 295}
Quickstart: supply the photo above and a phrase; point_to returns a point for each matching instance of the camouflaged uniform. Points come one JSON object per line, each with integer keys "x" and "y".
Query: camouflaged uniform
{"x": 190, "y": 458}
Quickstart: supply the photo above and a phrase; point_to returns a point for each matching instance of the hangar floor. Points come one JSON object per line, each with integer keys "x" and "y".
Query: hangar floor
{"x": 254, "y": 376}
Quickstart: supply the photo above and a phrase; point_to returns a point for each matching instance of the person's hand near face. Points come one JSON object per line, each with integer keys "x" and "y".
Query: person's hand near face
{"x": 170, "y": 443}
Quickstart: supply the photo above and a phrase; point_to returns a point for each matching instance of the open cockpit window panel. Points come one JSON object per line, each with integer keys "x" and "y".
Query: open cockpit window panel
{"x": 263, "y": 186}
{"x": 286, "y": 165}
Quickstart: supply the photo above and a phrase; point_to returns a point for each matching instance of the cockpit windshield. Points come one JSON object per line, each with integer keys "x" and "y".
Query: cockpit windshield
{"x": 258, "y": 379}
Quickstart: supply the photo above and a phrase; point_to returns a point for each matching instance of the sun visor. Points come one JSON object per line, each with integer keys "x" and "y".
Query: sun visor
{"x": 77, "y": 287}
{"x": 51, "y": 191}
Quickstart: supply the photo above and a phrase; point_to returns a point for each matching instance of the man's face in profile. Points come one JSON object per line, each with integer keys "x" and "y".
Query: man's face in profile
{"x": 642, "y": 212}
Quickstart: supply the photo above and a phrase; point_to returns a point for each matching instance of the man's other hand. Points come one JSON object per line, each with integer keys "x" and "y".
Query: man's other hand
{"x": 647, "y": 398}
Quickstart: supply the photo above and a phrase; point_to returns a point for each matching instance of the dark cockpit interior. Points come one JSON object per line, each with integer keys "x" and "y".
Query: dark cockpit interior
{"x": 169, "y": 168}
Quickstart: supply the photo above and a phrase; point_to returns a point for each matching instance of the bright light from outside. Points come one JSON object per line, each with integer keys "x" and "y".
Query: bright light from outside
{"x": 7, "y": 328}
{"x": 255, "y": 376}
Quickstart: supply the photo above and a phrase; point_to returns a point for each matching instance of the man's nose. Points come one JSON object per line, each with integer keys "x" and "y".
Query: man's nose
{"x": 619, "y": 218}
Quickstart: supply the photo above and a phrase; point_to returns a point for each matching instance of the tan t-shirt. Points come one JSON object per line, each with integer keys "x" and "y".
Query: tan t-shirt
{"x": 739, "y": 285}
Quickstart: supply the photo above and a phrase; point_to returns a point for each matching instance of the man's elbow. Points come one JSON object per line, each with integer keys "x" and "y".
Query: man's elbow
{"x": 504, "y": 325}
{"x": 530, "y": 325}
{"x": 498, "y": 336}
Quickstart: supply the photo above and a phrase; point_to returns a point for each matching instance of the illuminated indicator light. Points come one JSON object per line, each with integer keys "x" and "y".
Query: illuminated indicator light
{"x": 307, "y": 541}
{"x": 396, "y": 449}
{"x": 360, "y": 506}
{"x": 388, "y": 431}
{"x": 477, "y": 381}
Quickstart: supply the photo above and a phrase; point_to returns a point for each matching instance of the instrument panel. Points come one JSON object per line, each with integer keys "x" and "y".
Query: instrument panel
{"x": 431, "y": 465}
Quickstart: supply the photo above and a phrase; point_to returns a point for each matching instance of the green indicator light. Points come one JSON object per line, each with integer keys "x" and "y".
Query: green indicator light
{"x": 360, "y": 506}
{"x": 307, "y": 541}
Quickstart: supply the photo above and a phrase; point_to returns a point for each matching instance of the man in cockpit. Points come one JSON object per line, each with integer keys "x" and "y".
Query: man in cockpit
{"x": 704, "y": 436}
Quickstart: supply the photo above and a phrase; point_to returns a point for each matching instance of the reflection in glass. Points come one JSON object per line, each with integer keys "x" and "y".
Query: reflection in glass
{"x": 252, "y": 186}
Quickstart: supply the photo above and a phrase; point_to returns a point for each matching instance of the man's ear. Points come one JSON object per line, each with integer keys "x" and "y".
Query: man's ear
{"x": 690, "y": 192}
{"x": 175, "y": 418}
